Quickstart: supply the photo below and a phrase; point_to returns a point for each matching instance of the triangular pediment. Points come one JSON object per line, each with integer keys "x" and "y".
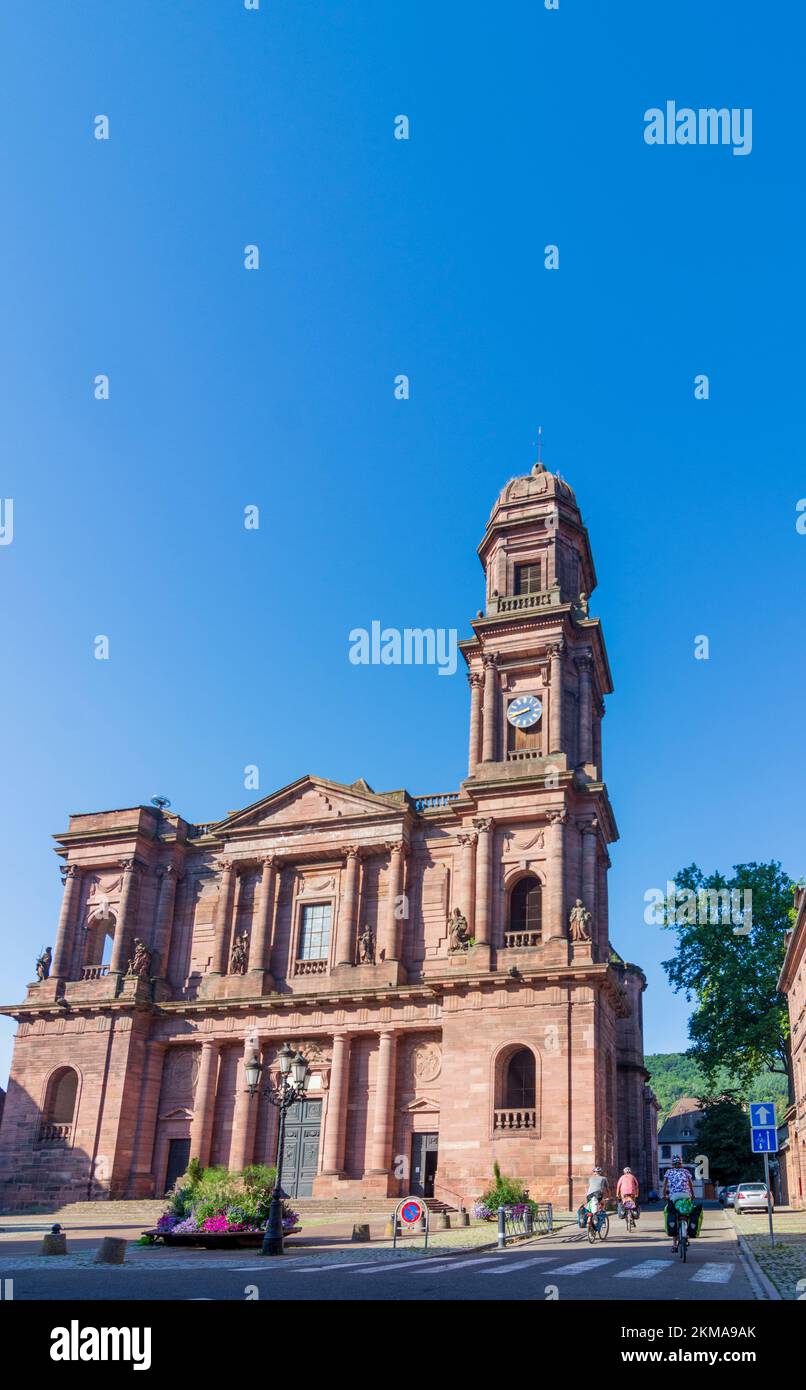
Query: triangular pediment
{"x": 311, "y": 800}
{"x": 422, "y": 1105}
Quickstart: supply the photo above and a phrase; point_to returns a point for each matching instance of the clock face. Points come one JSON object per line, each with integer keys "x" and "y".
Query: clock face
{"x": 525, "y": 711}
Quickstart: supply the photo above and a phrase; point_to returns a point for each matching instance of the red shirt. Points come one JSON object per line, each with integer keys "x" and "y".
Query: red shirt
{"x": 627, "y": 1185}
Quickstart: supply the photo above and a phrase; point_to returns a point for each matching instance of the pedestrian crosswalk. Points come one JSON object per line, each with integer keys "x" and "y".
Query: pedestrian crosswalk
{"x": 495, "y": 1265}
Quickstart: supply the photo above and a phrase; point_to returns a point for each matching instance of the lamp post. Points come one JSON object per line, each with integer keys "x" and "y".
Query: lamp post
{"x": 294, "y": 1077}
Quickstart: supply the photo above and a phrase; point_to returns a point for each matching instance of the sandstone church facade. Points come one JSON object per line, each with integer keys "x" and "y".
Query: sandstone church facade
{"x": 442, "y": 960}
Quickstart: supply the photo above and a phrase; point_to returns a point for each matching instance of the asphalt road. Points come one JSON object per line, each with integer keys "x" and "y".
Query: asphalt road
{"x": 638, "y": 1266}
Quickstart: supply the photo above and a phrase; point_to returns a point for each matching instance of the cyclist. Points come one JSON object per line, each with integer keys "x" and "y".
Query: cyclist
{"x": 627, "y": 1186}
{"x": 597, "y": 1191}
{"x": 677, "y": 1185}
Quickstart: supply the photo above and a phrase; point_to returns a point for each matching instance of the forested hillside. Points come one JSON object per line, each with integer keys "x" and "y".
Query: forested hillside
{"x": 675, "y": 1075}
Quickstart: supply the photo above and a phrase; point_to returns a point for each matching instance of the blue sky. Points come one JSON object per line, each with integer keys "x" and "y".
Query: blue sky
{"x": 378, "y": 257}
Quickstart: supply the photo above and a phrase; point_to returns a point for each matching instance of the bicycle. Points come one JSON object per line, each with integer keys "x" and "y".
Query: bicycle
{"x": 629, "y": 1215}
{"x": 681, "y": 1239}
{"x": 598, "y": 1226}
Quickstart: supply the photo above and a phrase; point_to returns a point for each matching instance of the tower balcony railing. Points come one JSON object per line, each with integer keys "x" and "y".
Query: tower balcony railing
{"x": 94, "y": 972}
{"x": 435, "y": 801}
{"x": 507, "y": 1121}
{"x": 310, "y": 967}
{"x": 522, "y": 755}
{"x": 517, "y": 940}
{"x": 55, "y": 1134}
{"x": 525, "y": 603}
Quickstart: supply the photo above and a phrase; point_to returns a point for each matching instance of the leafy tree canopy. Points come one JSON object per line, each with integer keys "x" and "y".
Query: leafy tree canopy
{"x": 729, "y": 964}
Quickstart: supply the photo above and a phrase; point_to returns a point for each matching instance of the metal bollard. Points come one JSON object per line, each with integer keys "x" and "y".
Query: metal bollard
{"x": 502, "y": 1228}
{"x": 527, "y": 1222}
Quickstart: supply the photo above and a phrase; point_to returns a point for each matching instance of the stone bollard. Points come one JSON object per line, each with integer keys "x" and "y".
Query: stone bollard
{"x": 360, "y": 1232}
{"x": 111, "y": 1251}
{"x": 443, "y": 1221}
{"x": 55, "y": 1242}
{"x": 462, "y": 1217}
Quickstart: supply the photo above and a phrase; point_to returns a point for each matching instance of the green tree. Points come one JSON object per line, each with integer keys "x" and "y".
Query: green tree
{"x": 740, "y": 1020}
{"x": 723, "y": 1136}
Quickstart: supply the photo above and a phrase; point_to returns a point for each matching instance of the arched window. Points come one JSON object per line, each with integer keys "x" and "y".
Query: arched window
{"x": 60, "y": 1106}
{"x": 525, "y": 913}
{"x": 519, "y": 1085}
{"x": 515, "y": 1090}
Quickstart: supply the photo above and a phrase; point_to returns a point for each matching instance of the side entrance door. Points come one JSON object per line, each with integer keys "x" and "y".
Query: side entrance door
{"x": 423, "y": 1164}
{"x": 301, "y": 1150}
{"x": 178, "y": 1159}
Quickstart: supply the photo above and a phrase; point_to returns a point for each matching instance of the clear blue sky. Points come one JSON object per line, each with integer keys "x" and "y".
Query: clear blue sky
{"x": 378, "y": 257}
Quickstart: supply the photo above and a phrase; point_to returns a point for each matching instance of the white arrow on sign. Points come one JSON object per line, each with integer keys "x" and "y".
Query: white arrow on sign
{"x": 765, "y": 1116}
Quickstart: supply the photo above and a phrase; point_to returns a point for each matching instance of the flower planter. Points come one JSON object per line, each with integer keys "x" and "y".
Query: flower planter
{"x": 208, "y": 1240}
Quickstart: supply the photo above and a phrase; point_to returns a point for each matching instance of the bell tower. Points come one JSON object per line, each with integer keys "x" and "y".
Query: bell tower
{"x": 538, "y": 675}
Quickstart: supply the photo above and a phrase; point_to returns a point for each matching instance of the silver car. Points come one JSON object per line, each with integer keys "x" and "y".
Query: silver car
{"x": 750, "y": 1195}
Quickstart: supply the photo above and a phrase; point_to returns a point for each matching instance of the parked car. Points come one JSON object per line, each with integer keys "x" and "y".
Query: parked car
{"x": 750, "y": 1195}
{"x": 728, "y": 1195}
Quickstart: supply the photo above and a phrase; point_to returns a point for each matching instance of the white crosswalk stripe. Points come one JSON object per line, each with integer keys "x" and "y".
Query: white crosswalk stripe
{"x": 392, "y": 1264}
{"x": 581, "y": 1266}
{"x": 713, "y": 1274}
{"x": 477, "y": 1260}
{"x": 512, "y": 1266}
{"x": 647, "y": 1269}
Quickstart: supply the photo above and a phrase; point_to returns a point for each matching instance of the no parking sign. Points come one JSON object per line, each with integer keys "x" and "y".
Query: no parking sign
{"x": 411, "y": 1215}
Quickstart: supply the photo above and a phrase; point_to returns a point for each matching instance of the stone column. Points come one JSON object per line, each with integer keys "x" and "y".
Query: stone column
{"x": 336, "y": 1120}
{"x": 121, "y": 946}
{"x": 556, "y": 698}
{"x": 483, "y": 908}
{"x": 584, "y": 666}
{"x": 388, "y": 943}
{"x": 222, "y": 928}
{"x": 261, "y": 940}
{"x": 490, "y": 734}
{"x": 557, "y": 925}
{"x": 201, "y": 1127}
{"x": 467, "y": 879}
{"x": 65, "y": 932}
{"x": 380, "y": 1154}
{"x": 345, "y": 945}
{"x": 141, "y": 1182}
{"x": 244, "y": 1115}
{"x": 475, "y": 682}
{"x": 589, "y": 843}
{"x": 163, "y": 927}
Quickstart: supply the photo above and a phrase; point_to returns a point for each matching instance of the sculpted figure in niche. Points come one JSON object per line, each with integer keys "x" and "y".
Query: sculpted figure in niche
{"x": 579, "y": 922}
{"x": 366, "y": 947}
{"x": 140, "y": 963}
{"x": 43, "y": 964}
{"x": 459, "y": 936}
{"x": 239, "y": 955}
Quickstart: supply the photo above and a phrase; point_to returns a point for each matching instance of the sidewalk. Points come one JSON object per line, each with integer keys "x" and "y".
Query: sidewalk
{"x": 785, "y": 1262}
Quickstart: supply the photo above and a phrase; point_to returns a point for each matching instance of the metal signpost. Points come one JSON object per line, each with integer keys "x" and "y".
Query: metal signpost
{"x": 764, "y": 1140}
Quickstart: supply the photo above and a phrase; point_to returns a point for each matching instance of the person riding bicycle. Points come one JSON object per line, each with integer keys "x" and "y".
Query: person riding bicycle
{"x": 597, "y": 1191}
{"x": 627, "y": 1187}
{"x": 677, "y": 1186}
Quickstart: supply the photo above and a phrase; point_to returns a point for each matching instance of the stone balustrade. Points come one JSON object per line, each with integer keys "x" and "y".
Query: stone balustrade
{"x": 55, "y": 1134}
{"x": 435, "y": 801}
{"x": 517, "y": 940}
{"x": 511, "y": 1120}
{"x": 310, "y": 967}
{"x": 94, "y": 972}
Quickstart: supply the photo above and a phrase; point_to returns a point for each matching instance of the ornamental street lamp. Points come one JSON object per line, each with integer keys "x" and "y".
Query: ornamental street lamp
{"x": 294, "y": 1077}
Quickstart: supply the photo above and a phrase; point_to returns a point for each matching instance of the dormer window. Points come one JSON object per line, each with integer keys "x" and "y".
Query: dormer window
{"x": 527, "y": 578}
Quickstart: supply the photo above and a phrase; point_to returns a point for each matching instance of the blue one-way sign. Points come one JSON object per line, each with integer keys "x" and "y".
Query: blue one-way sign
{"x": 762, "y": 1115}
{"x": 764, "y": 1141}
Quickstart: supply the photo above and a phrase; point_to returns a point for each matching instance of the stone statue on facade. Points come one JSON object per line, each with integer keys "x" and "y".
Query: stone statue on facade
{"x": 579, "y": 922}
{"x": 366, "y": 947}
{"x": 43, "y": 964}
{"x": 140, "y": 963}
{"x": 458, "y": 934}
{"x": 239, "y": 955}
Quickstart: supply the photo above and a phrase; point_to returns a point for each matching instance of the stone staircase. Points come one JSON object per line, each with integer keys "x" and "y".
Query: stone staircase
{"x": 136, "y": 1211}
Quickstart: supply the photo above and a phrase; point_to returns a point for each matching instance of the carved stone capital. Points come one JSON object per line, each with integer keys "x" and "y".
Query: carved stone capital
{"x": 468, "y": 838}
{"x": 558, "y": 817}
{"x": 484, "y": 824}
{"x": 69, "y": 871}
{"x": 475, "y": 680}
{"x": 557, "y": 649}
{"x": 490, "y": 659}
{"x": 584, "y": 663}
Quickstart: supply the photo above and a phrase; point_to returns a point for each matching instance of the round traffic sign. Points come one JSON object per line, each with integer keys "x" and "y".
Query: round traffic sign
{"x": 411, "y": 1211}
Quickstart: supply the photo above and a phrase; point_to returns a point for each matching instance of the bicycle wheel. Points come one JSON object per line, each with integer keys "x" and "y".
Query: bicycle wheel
{"x": 591, "y": 1233}
{"x": 683, "y": 1246}
{"x": 604, "y": 1228}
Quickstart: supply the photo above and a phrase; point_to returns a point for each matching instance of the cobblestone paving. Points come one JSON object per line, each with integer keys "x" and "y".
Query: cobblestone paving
{"x": 785, "y": 1262}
